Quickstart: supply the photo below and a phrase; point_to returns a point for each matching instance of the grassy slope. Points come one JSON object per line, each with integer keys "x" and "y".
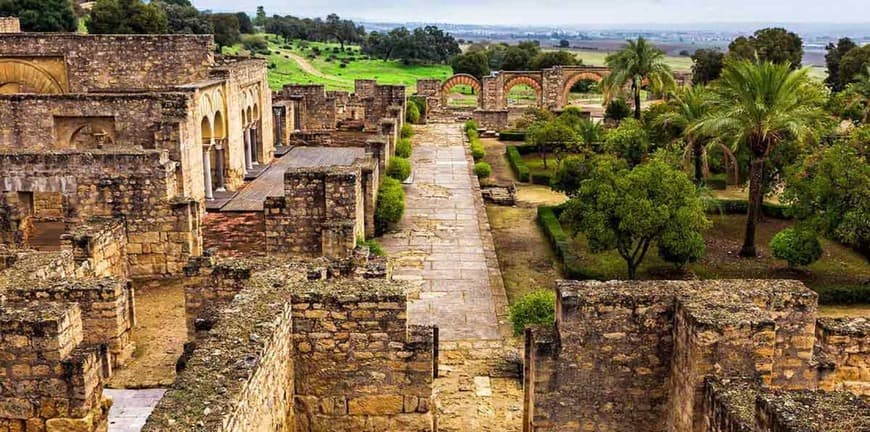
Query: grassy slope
{"x": 334, "y": 77}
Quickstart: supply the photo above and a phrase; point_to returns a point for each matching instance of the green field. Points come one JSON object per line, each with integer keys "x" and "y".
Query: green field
{"x": 327, "y": 69}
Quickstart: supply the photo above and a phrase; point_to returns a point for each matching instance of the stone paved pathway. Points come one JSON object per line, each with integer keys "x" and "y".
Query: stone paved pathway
{"x": 441, "y": 245}
{"x": 444, "y": 245}
{"x": 130, "y": 408}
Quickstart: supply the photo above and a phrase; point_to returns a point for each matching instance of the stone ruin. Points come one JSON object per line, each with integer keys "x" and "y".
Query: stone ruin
{"x": 730, "y": 355}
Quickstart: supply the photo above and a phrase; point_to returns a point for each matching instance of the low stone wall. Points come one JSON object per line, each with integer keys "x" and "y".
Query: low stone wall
{"x": 291, "y": 351}
{"x": 844, "y": 352}
{"x": 50, "y": 383}
{"x": 357, "y": 364}
{"x": 633, "y": 355}
{"x": 729, "y": 405}
{"x": 322, "y": 212}
{"x": 493, "y": 119}
{"x": 811, "y": 411}
{"x": 10, "y": 25}
{"x": 100, "y": 246}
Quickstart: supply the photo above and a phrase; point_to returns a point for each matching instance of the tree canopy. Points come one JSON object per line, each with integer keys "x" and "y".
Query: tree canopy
{"x": 473, "y": 63}
{"x": 776, "y": 45}
{"x": 127, "y": 17}
{"x": 635, "y": 63}
{"x": 835, "y": 53}
{"x": 707, "y": 65}
{"x": 41, "y": 15}
{"x": 422, "y": 45}
{"x": 183, "y": 18}
{"x": 628, "y": 210}
{"x": 226, "y": 29}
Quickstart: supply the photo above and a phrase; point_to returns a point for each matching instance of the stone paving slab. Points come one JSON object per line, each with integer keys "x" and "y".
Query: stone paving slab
{"x": 131, "y": 408}
{"x": 443, "y": 243}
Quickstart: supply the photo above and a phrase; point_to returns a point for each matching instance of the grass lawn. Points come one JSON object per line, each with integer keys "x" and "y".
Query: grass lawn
{"x": 331, "y": 74}
{"x": 536, "y": 164}
{"x": 596, "y": 58}
{"x": 839, "y": 265}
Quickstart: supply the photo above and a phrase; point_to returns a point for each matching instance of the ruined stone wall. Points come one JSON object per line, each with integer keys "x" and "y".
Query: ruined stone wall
{"x": 50, "y": 382}
{"x": 254, "y": 337}
{"x": 48, "y": 206}
{"x": 106, "y": 62}
{"x": 10, "y": 25}
{"x": 811, "y": 411}
{"x": 99, "y": 247}
{"x": 633, "y": 356}
{"x": 378, "y": 105}
{"x": 163, "y": 230}
{"x": 729, "y": 405}
{"x": 430, "y": 90}
{"x": 494, "y": 120}
{"x": 345, "y": 138}
{"x": 843, "y": 345}
{"x": 321, "y": 212}
{"x": 317, "y": 108}
{"x": 358, "y": 366}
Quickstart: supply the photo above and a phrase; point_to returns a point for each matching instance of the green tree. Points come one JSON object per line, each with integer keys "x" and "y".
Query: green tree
{"x": 41, "y": 15}
{"x": 184, "y": 18}
{"x": 758, "y": 107}
{"x": 637, "y": 62}
{"x": 344, "y": 31}
{"x": 689, "y": 106}
{"x": 853, "y": 65}
{"x": 628, "y": 210}
{"x": 629, "y": 142}
{"x": 799, "y": 247}
{"x": 829, "y": 192}
{"x": 835, "y": 53}
{"x": 127, "y": 17}
{"x": 260, "y": 17}
{"x": 473, "y": 63}
{"x": 226, "y": 30}
{"x": 776, "y": 45}
{"x": 534, "y": 308}
{"x": 517, "y": 58}
{"x": 571, "y": 173}
{"x": 707, "y": 65}
{"x": 564, "y": 43}
{"x": 551, "y": 136}
{"x": 617, "y": 109}
{"x": 549, "y": 59}
{"x": 246, "y": 26}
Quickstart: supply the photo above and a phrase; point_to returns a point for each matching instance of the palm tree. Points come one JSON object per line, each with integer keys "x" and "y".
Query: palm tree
{"x": 637, "y": 62}
{"x": 689, "y": 106}
{"x": 857, "y": 95}
{"x": 758, "y": 105}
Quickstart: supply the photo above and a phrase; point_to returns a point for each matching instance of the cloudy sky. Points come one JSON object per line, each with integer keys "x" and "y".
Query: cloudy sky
{"x": 565, "y": 12}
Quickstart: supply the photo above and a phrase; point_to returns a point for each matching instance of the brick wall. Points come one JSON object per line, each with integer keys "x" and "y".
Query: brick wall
{"x": 493, "y": 119}
{"x": 105, "y": 62}
{"x": 321, "y": 212}
{"x": 163, "y": 230}
{"x": 50, "y": 382}
{"x": 844, "y": 352}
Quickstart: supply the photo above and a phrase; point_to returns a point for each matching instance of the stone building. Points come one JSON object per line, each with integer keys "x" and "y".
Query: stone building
{"x": 146, "y": 128}
{"x": 659, "y": 355}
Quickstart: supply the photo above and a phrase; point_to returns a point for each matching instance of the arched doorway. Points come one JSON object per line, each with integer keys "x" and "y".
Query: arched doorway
{"x": 522, "y": 91}
{"x": 589, "y": 81}
{"x": 461, "y": 91}
{"x": 19, "y": 76}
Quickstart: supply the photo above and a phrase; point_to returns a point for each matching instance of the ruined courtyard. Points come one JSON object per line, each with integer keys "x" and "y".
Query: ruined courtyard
{"x": 183, "y": 249}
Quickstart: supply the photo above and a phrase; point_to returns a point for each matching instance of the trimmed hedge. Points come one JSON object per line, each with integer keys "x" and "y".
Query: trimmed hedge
{"x": 526, "y": 149}
{"x": 391, "y": 204}
{"x": 470, "y": 125}
{"x": 844, "y": 294}
{"x": 512, "y": 135}
{"x": 407, "y": 131}
{"x": 733, "y": 206}
{"x": 403, "y": 148}
{"x": 482, "y": 170}
{"x": 717, "y": 182}
{"x": 548, "y": 219}
{"x": 543, "y": 179}
{"x": 517, "y": 164}
{"x": 399, "y": 169}
{"x": 477, "y": 150}
{"x": 534, "y": 308}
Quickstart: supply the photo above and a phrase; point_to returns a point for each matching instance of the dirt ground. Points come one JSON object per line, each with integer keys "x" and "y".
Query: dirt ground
{"x": 527, "y": 262}
{"x": 159, "y": 336}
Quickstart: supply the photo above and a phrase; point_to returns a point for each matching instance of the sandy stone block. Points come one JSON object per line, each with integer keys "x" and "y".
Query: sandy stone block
{"x": 376, "y": 405}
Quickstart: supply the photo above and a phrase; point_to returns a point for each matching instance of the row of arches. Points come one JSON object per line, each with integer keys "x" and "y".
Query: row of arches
{"x": 533, "y": 82}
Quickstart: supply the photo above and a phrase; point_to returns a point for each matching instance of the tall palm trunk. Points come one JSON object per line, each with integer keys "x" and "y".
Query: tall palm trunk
{"x": 635, "y": 88}
{"x": 756, "y": 177}
{"x": 697, "y": 152}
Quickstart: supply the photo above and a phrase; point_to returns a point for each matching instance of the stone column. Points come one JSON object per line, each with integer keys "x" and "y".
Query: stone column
{"x": 254, "y": 159}
{"x": 219, "y": 161}
{"x": 247, "y": 136}
{"x": 279, "y": 126}
{"x": 206, "y": 170}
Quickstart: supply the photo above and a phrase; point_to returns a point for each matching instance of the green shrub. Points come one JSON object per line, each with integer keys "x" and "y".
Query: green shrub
{"x": 548, "y": 219}
{"x": 412, "y": 113}
{"x": 526, "y": 149}
{"x": 399, "y": 169}
{"x": 717, "y": 182}
{"x": 391, "y": 204}
{"x": 537, "y": 307}
{"x": 539, "y": 178}
{"x": 477, "y": 150}
{"x": 512, "y": 135}
{"x": 472, "y": 134}
{"x": 681, "y": 248}
{"x": 517, "y": 165}
{"x": 421, "y": 104}
{"x": 403, "y": 148}
{"x": 843, "y": 294}
{"x": 482, "y": 170}
{"x": 798, "y": 247}
{"x": 470, "y": 125}
{"x": 375, "y": 248}
{"x": 617, "y": 110}
{"x": 255, "y": 44}
{"x": 407, "y": 131}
